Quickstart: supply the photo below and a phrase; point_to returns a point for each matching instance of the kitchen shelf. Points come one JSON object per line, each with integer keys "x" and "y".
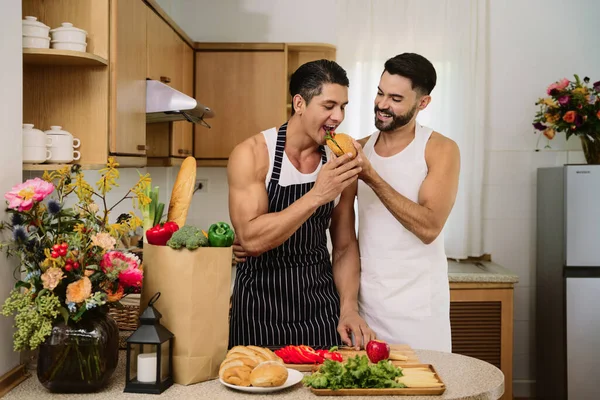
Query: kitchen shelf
{"x": 62, "y": 57}
{"x": 53, "y": 167}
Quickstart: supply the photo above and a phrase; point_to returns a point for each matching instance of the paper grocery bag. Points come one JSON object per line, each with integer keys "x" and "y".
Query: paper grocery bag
{"x": 194, "y": 303}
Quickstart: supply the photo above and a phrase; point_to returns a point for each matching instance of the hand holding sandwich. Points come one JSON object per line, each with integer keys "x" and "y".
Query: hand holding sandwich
{"x": 334, "y": 177}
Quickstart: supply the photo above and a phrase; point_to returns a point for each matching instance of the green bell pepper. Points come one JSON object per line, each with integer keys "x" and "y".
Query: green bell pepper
{"x": 220, "y": 235}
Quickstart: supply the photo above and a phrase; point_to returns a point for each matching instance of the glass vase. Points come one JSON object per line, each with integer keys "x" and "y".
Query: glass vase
{"x": 79, "y": 357}
{"x": 591, "y": 148}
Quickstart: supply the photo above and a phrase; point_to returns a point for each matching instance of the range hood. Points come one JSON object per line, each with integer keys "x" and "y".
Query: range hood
{"x": 165, "y": 104}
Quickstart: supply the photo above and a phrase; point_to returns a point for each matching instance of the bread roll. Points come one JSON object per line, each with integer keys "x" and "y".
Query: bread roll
{"x": 268, "y": 374}
{"x": 267, "y": 353}
{"x": 181, "y": 196}
{"x": 237, "y": 362}
{"x": 341, "y": 144}
{"x": 239, "y": 376}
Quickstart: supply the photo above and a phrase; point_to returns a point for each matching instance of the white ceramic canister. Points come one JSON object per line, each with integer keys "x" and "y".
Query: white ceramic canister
{"x": 75, "y": 46}
{"x": 36, "y": 154}
{"x": 35, "y": 137}
{"x": 62, "y": 145}
{"x": 36, "y": 42}
{"x": 33, "y": 27}
{"x": 68, "y": 33}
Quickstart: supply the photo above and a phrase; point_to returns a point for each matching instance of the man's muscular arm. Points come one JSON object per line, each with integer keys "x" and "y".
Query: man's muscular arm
{"x": 426, "y": 218}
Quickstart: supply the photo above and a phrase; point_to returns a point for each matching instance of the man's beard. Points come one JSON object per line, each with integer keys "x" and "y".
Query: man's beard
{"x": 397, "y": 121}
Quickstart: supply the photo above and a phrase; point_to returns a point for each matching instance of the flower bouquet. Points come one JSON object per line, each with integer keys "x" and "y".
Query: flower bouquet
{"x": 69, "y": 272}
{"x": 573, "y": 107}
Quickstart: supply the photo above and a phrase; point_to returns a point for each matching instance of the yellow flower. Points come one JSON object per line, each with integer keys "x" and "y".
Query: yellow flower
{"x": 79, "y": 228}
{"x": 551, "y": 118}
{"x": 109, "y": 176}
{"x": 83, "y": 190}
{"x": 51, "y": 278}
{"x": 580, "y": 90}
{"x": 549, "y": 101}
{"x": 79, "y": 291}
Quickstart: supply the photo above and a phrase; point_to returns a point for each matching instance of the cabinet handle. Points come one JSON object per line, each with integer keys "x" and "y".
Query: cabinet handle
{"x": 165, "y": 79}
{"x": 184, "y": 152}
{"x": 141, "y": 147}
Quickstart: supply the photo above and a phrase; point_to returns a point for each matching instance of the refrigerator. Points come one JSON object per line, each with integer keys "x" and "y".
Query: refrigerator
{"x": 568, "y": 283}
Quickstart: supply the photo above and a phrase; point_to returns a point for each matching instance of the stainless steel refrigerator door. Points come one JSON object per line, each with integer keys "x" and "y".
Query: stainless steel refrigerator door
{"x": 583, "y": 337}
{"x": 582, "y": 215}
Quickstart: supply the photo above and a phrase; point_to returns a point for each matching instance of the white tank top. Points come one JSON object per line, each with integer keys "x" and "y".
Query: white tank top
{"x": 404, "y": 291}
{"x": 289, "y": 174}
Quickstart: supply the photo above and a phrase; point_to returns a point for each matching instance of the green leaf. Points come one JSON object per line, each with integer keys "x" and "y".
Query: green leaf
{"x": 20, "y": 284}
{"x": 80, "y": 312}
{"x": 64, "y": 312}
{"x": 158, "y": 213}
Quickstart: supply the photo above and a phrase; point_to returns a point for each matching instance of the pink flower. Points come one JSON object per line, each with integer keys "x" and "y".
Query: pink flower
{"x": 116, "y": 261}
{"x": 131, "y": 277}
{"x": 21, "y": 197}
{"x": 560, "y": 85}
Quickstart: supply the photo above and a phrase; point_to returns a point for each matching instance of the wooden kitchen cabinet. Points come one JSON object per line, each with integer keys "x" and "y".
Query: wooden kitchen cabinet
{"x": 481, "y": 316}
{"x": 246, "y": 89}
{"x": 182, "y": 140}
{"x": 165, "y": 53}
{"x": 246, "y": 84}
{"x": 128, "y": 78}
{"x": 171, "y": 61}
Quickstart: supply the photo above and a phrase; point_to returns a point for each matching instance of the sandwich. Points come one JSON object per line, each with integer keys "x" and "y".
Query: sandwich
{"x": 340, "y": 144}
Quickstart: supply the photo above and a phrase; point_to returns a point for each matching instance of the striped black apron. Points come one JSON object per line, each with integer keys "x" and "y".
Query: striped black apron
{"x": 287, "y": 295}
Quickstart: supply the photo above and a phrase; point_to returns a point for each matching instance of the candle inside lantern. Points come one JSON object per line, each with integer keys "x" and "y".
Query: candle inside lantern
{"x": 146, "y": 368}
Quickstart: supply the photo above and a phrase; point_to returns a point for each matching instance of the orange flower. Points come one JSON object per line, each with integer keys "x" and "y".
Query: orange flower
{"x": 569, "y": 116}
{"x": 549, "y": 133}
{"x": 598, "y": 114}
{"x": 78, "y": 291}
{"x": 118, "y": 295}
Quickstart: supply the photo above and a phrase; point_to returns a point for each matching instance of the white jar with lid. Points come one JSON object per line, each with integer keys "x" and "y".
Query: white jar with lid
{"x": 68, "y": 33}
{"x": 62, "y": 145}
{"x": 32, "y": 27}
{"x": 35, "y": 145}
{"x": 35, "y": 137}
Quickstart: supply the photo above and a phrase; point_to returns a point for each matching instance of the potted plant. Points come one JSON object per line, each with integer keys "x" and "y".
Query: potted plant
{"x": 68, "y": 272}
{"x": 572, "y": 107}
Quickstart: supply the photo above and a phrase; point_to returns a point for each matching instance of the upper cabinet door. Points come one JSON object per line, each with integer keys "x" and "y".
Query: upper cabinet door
{"x": 164, "y": 52}
{"x": 128, "y": 78}
{"x": 182, "y": 142}
{"x": 246, "y": 91}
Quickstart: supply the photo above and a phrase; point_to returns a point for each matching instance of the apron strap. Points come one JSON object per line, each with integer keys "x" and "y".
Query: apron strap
{"x": 279, "y": 149}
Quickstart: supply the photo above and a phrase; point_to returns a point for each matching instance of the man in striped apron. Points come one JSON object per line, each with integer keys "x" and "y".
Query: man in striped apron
{"x": 282, "y": 196}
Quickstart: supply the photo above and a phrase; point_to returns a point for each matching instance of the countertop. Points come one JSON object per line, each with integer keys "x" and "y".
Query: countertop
{"x": 466, "y": 378}
{"x": 479, "y": 271}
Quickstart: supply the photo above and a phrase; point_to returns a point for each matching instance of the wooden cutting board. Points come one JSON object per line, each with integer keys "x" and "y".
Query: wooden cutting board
{"x": 349, "y": 352}
{"x": 391, "y": 391}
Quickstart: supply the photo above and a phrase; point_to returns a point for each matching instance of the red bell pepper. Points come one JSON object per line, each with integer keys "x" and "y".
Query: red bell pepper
{"x": 159, "y": 235}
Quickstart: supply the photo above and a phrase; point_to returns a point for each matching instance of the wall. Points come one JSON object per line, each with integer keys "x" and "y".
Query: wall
{"x": 11, "y": 98}
{"x": 532, "y": 44}
{"x": 255, "y": 20}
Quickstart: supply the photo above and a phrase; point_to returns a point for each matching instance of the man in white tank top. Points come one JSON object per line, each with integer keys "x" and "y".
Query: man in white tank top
{"x": 406, "y": 191}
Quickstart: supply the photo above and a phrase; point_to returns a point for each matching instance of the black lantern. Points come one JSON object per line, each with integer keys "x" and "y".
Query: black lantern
{"x": 149, "y": 367}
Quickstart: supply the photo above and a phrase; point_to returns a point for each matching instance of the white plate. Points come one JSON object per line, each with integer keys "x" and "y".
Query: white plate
{"x": 293, "y": 378}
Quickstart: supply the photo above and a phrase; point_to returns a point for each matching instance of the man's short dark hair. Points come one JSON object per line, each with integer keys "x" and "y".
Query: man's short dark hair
{"x": 309, "y": 78}
{"x": 416, "y": 68}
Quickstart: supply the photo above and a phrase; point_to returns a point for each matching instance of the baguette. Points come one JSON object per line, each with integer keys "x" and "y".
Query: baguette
{"x": 181, "y": 196}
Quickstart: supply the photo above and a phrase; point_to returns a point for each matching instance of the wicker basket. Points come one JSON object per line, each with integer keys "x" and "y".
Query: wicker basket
{"x": 127, "y": 320}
